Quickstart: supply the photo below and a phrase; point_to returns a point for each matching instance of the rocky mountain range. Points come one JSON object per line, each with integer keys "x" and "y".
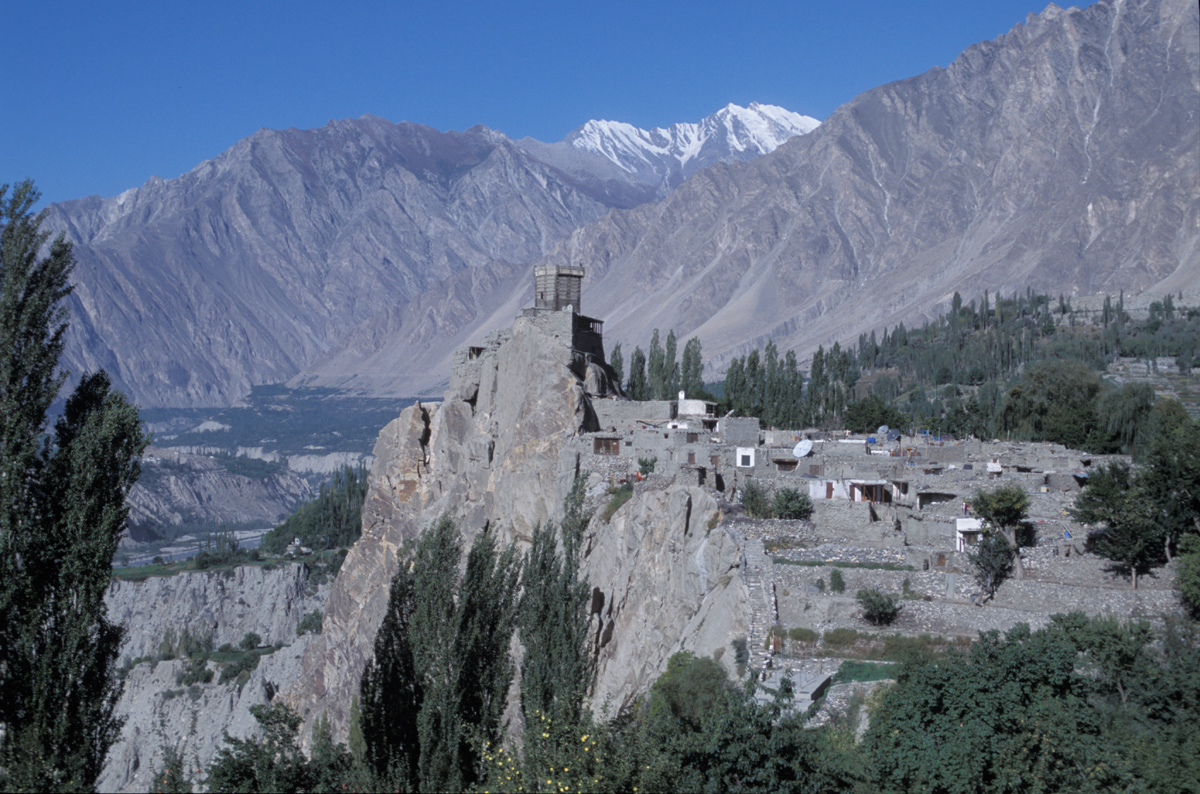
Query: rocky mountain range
{"x": 1063, "y": 156}
{"x": 253, "y": 265}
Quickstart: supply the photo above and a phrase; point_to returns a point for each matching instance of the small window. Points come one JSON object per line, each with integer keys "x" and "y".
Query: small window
{"x": 607, "y": 446}
{"x": 747, "y": 460}
{"x": 715, "y": 460}
{"x": 692, "y": 438}
{"x": 691, "y": 458}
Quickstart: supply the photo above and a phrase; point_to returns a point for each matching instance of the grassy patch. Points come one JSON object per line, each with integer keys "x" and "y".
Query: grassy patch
{"x": 855, "y": 670}
{"x": 874, "y": 566}
{"x": 619, "y": 496}
{"x": 890, "y": 647}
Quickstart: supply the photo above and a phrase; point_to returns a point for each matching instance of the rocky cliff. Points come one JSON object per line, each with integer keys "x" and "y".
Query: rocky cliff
{"x": 497, "y": 455}
{"x": 177, "y": 487}
{"x": 223, "y": 606}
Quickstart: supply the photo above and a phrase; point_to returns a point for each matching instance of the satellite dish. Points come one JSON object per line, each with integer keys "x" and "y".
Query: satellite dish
{"x": 882, "y": 430}
{"x": 893, "y": 434}
{"x": 803, "y": 448}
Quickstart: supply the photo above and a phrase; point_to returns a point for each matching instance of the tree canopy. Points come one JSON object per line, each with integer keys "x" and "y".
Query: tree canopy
{"x": 62, "y": 513}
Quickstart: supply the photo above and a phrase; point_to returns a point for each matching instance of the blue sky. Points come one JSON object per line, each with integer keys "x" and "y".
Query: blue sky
{"x": 97, "y": 97}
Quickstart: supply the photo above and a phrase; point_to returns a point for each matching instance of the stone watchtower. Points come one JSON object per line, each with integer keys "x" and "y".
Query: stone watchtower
{"x": 557, "y": 286}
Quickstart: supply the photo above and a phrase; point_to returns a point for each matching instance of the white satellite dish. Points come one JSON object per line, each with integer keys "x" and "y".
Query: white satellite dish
{"x": 882, "y": 430}
{"x": 803, "y": 448}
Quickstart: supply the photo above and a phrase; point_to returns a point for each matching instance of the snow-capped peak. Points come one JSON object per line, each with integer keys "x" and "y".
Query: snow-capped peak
{"x": 674, "y": 153}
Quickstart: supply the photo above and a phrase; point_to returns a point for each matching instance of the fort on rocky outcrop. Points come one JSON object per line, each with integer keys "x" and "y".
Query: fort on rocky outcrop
{"x": 679, "y": 566}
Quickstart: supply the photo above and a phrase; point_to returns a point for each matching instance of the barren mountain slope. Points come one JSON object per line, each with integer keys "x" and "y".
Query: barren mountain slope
{"x": 253, "y": 264}
{"x": 1063, "y": 156}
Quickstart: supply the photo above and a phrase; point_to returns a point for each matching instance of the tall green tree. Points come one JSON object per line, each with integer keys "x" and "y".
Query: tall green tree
{"x": 617, "y": 361}
{"x": 62, "y": 512}
{"x": 1004, "y": 508}
{"x": 638, "y": 387}
{"x": 557, "y": 670}
{"x": 692, "y": 369}
{"x": 446, "y": 649}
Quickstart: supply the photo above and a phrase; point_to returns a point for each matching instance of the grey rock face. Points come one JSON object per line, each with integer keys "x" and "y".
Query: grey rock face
{"x": 498, "y": 454}
{"x": 177, "y": 487}
{"x": 222, "y": 605}
{"x": 251, "y": 266}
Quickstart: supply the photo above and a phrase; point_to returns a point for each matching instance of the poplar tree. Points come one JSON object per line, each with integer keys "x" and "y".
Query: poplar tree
{"x": 617, "y": 362}
{"x": 692, "y": 371}
{"x": 557, "y": 671}
{"x": 638, "y": 389}
{"x": 441, "y": 670}
{"x": 62, "y": 512}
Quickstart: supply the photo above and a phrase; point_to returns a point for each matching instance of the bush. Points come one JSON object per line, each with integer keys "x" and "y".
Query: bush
{"x": 754, "y": 499}
{"x": 802, "y": 635}
{"x": 311, "y": 624}
{"x": 840, "y": 638}
{"x": 791, "y": 504}
{"x": 879, "y": 608}
{"x": 195, "y": 672}
{"x": 821, "y": 585}
{"x": 236, "y": 669}
{"x": 250, "y": 641}
{"x": 836, "y": 583}
{"x": 620, "y": 495}
{"x": 646, "y": 465}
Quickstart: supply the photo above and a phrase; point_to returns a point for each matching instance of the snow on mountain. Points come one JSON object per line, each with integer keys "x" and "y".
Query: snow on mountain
{"x": 673, "y": 153}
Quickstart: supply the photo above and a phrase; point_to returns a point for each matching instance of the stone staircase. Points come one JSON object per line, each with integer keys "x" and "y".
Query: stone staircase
{"x": 760, "y": 582}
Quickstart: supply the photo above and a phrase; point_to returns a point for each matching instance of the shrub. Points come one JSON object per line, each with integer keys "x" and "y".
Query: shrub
{"x": 195, "y": 672}
{"x": 741, "y": 654}
{"x": 879, "y": 608}
{"x": 839, "y": 638}
{"x": 754, "y": 499}
{"x": 790, "y": 503}
{"x": 250, "y": 641}
{"x": 802, "y": 635}
{"x": 836, "y": 583}
{"x": 821, "y": 585}
{"x": 620, "y": 495}
{"x": 311, "y": 624}
{"x": 646, "y": 465}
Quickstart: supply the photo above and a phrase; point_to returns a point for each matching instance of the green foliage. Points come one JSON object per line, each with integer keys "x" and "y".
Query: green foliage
{"x": 879, "y": 609}
{"x": 839, "y": 638}
{"x": 802, "y": 635}
{"x": 557, "y": 670}
{"x": 172, "y": 777}
{"x": 310, "y": 624}
{"x": 1004, "y": 508}
{"x": 333, "y": 519}
{"x": 1187, "y": 575}
{"x": 618, "y": 496}
{"x": 617, "y": 361}
{"x": 638, "y": 389}
{"x": 1081, "y": 705}
{"x": 1054, "y": 402}
{"x": 250, "y": 641}
{"x": 433, "y": 695}
{"x": 755, "y": 500}
{"x": 275, "y": 762}
{"x": 194, "y": 672}
{"x": 792, "y": 504}
{"x": 992, "y": 559}
{"x": 854, "y": 670}
{"x": 836, "y": 583}
{"x": 698, "y": 733}
{"x": 221, "y": 548}
{"x": 62, "y": 513}
{"x": 646, "y": 465}
{"x": 869, "y": 413}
